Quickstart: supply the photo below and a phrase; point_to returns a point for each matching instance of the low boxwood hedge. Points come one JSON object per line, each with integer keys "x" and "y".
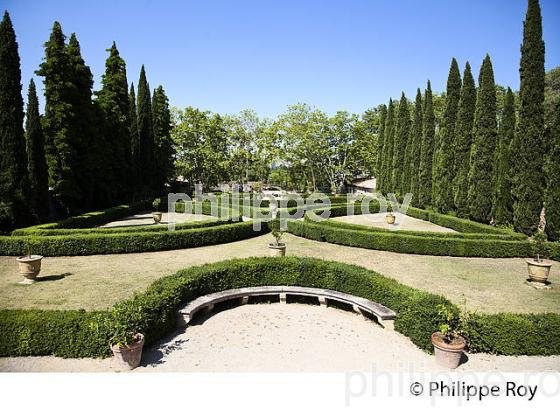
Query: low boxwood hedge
{"x": 153, "y": 312}
{"x": 94, "y": 244}
{"x": 418, "y": 244}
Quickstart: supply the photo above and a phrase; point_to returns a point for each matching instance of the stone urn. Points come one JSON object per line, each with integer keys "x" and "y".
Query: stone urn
{"x": 127, "y": 357}
{"x": 277, "y": 249}
{"x": 29, "y": 267}
{"x": 448, "y": 354}
{"x": 157, "y": 217}
{"x": 390, "y": 218}
{"x": 539, "y": 270}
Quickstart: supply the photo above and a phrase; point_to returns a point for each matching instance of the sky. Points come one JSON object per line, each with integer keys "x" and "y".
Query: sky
{"x": 226, "y": 56}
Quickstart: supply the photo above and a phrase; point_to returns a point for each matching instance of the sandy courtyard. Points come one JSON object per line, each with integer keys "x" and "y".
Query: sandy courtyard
{"x": 147, "y": 219}
{"x": 284, "y": 338}
{"x": 403, "y": 222}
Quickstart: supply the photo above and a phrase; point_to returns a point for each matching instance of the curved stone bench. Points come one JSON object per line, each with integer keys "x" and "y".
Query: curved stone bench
{"x": 384, "y": 315}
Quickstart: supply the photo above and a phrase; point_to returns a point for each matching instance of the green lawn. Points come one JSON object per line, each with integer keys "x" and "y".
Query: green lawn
{"x": 97, "y": 282}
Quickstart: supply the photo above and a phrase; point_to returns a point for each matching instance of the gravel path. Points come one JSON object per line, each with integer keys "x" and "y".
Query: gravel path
{"x": 148, "y": 219}
{"x": 403, "y": 222}
{"x": 284, "y": 338}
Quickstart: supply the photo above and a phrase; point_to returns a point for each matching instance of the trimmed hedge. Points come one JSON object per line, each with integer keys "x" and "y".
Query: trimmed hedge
{"x": 82, "y": 334}
{"x": 417, "y": 244}
{"x": 94, "y": 244}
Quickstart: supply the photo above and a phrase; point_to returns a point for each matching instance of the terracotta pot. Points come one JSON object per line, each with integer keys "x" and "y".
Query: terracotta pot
{"x": 538, "y": 270}
{"x": 157, "y": 217}
{"x": 127, "y": 357}
{"x": 448, "y": 354}
{"x": 29, "y": 267}
{"x": 277, "y": 250}
{"x": 390, "y": 218}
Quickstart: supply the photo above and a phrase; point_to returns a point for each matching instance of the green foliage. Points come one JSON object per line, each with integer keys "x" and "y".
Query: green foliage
{"x": 415, "y": 149}
{"x": 483, "y": 146}
{"x": 444, "y": 152}
{"x": 114, "y": 101}
{"x": 502, "y": 203}
{"x": 426, "y": 154}
{"x": 153, "y": 312}
{"x": 400, "y": 178}
{"x": 13, "y": 160}
{"x": 36, "y": 163}
{"x": 135, "y": 166}
{"x": 463, "y": 141}
{"x": 145, "y": 158}
{"x": 387, "y": 167}
{"x": 163, "y": 144}
{"x": 381, "y": 140}
{"x": 528, "y": 144}
{"x": 552, "y": 169}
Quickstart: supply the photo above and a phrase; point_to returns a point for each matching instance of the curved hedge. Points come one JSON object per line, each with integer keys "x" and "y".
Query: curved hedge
{"x": 153, "y": 312}
{"x": 80, "y": 235}
{"x": 472, "y": 239}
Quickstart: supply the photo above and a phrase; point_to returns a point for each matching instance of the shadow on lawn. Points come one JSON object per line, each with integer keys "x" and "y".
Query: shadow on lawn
{"x": 50, "y": 278}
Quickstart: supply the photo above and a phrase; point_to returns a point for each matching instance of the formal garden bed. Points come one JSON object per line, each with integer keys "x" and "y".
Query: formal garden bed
{"x": 78, "y": 333}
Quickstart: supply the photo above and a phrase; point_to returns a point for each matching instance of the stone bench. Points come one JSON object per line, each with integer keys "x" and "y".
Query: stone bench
{"x": 384, "y": 315}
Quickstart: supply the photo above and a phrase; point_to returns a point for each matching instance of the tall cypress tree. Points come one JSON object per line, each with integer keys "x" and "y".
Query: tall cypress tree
{"x": 60, "y": 139}
{"x": 162, "y": 139}
{"x": 528, "y": 145}
{"x": 503, "y": 212}
{"x": 463, "y": 141}
{"x": 388, "y": 148}
{"x": 134, "y": 144}
{"x": 13, "y": 162}
{"x": 83, "y": 128}
{"x": 416, "y": 150}
{"x": 483, "y": 146}
{"x": 552, "y": 169}
{"x": 402, "y": 131}
{"x": 36, "y": 162}
{"x": 145, "y": 136}
{"x": 427, "y": 152}
{"x": 380, "y": 142}
{"x": 114, "y": 101}
{"x": 444, "y": 153}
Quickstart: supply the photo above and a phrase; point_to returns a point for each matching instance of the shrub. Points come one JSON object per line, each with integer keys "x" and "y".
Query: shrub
{"x": 153, "y": 312}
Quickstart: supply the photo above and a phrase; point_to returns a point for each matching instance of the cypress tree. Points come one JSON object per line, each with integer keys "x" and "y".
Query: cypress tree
{"x": 13, "y": 162}
{"x": 552, "y": 169}
{"x": 388, "y": 148}
{"x": 134, "y": 144}
{"x": 483, "y": 146}
{"x": 415, "y": 151}
{"x": 463, "y": 141}
{"x": 162, "y": 138}
{"x": 427, "y": 151}
{"x": 113, "y": 99}
{"x": 402, "y": 131}
{"x": 36, "y": 162}
{"x": 83, "y": 130}
{"x": 60, "y": 141}
{"x": 146, "y": 160}
{"x": 444, "y": 153}
{"x": 502, "y": 213}
{"x": 380, "y": 142}
{"x": 528, "y": 145}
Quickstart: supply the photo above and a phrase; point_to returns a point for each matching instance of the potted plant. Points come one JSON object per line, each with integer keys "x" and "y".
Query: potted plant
{"x": 126, "y": 344}
{"x": 449, "y": 344}
{"x": 277, "y": 248}
{"x": 29, "y": 265}
{"x": 157, "y": 214}
{"x": 539, "y": 269}
{"x": 390, "y": 218}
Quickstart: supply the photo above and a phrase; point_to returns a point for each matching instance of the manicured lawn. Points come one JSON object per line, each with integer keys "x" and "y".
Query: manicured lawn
{"x": 97, "y": 282}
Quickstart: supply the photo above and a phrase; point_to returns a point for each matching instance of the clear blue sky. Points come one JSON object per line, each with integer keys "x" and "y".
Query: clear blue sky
{"x": 228, "y": 55}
